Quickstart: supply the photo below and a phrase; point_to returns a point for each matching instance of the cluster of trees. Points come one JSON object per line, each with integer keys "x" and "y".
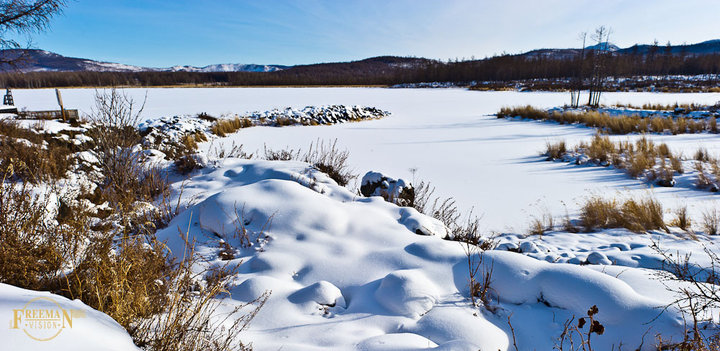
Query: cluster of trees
{"x": 378, "y": 72}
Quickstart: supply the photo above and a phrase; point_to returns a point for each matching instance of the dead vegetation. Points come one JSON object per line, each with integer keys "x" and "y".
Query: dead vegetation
{"x": 669, "y": 107}
{"x": 623, "y": 124}
{"x": 575, "y": 336}
{"x": 223, "y": 127}
{"x": 697, "y": 296}
{"x": 110, "y": 259}
{"x": 35, "y": 157}
{"x": 326, "y": 157}
{"x": 329, "y": 159}
{"x": 638, "y": 215}
{"x": 641, "y": 158}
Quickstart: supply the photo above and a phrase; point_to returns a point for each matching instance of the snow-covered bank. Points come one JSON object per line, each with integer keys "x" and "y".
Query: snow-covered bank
{"x": 446, "y": 135}
{"x": 63, "y": 325}
{"x": 347, "y": 272}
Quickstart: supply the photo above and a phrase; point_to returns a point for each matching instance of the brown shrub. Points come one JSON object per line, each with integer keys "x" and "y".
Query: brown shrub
{"x": 33, "y": 163}
{"x": 30, "y": 253}
{"x": 600, "y": 149}
{"x": 598, "y": 212}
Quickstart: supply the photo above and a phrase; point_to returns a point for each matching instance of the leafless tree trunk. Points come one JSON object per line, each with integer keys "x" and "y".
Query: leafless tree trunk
{"x": 598, "y": 62}
{"x": 577, "y": 88}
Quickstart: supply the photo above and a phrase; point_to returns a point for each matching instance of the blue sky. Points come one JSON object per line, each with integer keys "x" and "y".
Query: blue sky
{"x": 161, "y": 33}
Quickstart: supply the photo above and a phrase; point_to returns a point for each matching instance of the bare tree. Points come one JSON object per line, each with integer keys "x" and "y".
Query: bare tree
{"x": 23, "y": 17}
{"x": 577, "y": 86}
{"x": 598, "y": 64}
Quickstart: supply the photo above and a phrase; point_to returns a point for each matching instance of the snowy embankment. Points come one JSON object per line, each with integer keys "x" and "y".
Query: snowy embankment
{"x": 83, "y": 328}
{"x": 445, "y": 136}
{"x": 349, "y": 272}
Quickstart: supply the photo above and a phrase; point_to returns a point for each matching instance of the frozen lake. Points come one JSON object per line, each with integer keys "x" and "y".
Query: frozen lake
{"x": 447, "y": 135}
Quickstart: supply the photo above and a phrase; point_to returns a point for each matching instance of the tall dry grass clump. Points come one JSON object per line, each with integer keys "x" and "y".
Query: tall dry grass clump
{"x": 223, "y": 127}
{"x": 614, "y": 124}
{"x": 638, "y": 215}
{"x": 640, "y": 158}
{"x": 555, "y": 151}
{"x": 524, "y": 112}
{"x": 331, "y": 160}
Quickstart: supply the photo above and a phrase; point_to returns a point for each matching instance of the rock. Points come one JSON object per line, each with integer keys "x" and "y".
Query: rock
{"x": 378, "y": 184}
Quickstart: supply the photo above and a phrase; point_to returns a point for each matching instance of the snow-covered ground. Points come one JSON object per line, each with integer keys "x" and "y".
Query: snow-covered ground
{"x": 350, "y": 272}
{"x": 447, "y": 135}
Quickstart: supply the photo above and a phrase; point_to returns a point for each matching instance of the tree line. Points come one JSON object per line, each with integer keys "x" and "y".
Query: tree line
{"x": 392, "y": 70}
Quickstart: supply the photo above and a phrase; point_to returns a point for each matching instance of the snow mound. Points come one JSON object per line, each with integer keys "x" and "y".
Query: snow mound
{"x": 407, "y": 292}
{"x": 418, "y": 223}
{"x": 322, "y": 292}
{"x": 347, "y": 272}
{"x": 84, "y": 328}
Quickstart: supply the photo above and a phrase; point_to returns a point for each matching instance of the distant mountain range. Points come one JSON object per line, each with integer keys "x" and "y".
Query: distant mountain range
{"x": 34, "y": 60}
{"x": 44, "y": 61}
{"x": 706, "y": 47}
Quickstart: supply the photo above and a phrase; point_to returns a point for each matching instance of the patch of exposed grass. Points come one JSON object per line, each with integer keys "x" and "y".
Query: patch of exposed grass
{"x": 223, "y": 127}
{"x": 638, "y": 215}
{"x": 623, "y": 124}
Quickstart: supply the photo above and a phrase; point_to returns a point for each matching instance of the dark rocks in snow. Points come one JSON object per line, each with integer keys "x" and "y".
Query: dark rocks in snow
{"x": 377, "y": 184}
{"x": 312, "y": 115}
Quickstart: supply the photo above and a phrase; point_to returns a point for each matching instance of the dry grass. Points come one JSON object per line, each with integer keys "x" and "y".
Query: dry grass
{"x": 638, "y": 215}
{"x": 711, "y": 222}
{"x": 640, "y": 158}
{"x": 623, "y": 124}
{"x": 542, "y": 222}
{"x": 329, "y": 159}
{"x": 280, "y": 155}
{"x": 555, "y": 151}
{"x": 682, "y": 220}
{"x": 326, "y": 157}
{"x": 126, "y": 281}
{"x": 32, "y": 162}
{"x": 30, "y": 254}
{"x": 702, "y": 155}
{"x": 223, "y": 127}
{"x": 666, "y": 107}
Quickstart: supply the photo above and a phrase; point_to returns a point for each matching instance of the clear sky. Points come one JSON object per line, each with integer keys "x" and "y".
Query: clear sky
{"x": 162, "y": 33}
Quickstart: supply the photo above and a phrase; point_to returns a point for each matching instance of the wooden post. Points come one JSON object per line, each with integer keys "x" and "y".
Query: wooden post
{"x": 62, "y": 108}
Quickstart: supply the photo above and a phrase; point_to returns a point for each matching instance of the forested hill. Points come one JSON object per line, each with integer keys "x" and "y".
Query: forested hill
{"x": 638, "y": 60}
